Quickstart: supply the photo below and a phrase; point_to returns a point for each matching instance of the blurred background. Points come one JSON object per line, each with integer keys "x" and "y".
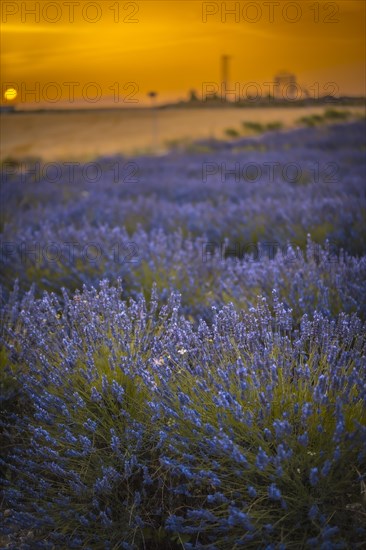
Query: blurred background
{"x": 86, "y": 79}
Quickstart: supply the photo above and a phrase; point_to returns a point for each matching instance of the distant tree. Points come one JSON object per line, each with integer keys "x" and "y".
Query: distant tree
{"x": 152, "y": 95}
{"x": 193, "y": 95}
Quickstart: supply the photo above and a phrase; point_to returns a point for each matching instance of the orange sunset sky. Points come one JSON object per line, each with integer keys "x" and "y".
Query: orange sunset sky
{"x": 175, "y": 46}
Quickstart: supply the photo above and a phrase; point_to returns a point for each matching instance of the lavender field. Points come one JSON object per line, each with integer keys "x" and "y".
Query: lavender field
{"x": 183, "y": 350}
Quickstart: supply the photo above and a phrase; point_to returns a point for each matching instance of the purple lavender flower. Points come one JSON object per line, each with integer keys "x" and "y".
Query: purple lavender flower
{"x": 313, "y": 512}
{"x": 273, "y": 492}
{"x": 251, "y": 491}
{"x": 314, "y": 476}
{"x": 262, "y": 459}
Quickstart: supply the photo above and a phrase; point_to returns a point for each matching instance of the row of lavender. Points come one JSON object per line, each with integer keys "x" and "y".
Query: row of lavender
{"x": 301, "y": 183}
{"x": 210, "y": 392}
{"x": 185, "y": 222}
{"x": 206, "y": 273}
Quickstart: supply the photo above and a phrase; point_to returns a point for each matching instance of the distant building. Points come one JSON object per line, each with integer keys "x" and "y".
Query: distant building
{"x": 286, "y": 87}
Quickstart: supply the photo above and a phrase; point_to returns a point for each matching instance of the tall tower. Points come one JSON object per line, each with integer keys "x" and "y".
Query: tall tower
{"x": 224, "y": 75}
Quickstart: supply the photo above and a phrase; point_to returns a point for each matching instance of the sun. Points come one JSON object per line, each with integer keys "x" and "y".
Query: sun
{"x": 10, "y": 94}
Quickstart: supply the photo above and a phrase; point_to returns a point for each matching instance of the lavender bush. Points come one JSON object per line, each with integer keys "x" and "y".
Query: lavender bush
{"x": 199, "y": 384}
{"x": 145, "y": 432}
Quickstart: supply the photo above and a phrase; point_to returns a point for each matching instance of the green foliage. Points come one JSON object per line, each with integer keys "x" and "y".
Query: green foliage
{"x": 329, "y": 115}
{"x": 334, "y": 114}
{"x": 274, "y": 126}
{"x": 311, "y": 120}
{"x": 231, "y": 132}
{"x": 256, "y": 127}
